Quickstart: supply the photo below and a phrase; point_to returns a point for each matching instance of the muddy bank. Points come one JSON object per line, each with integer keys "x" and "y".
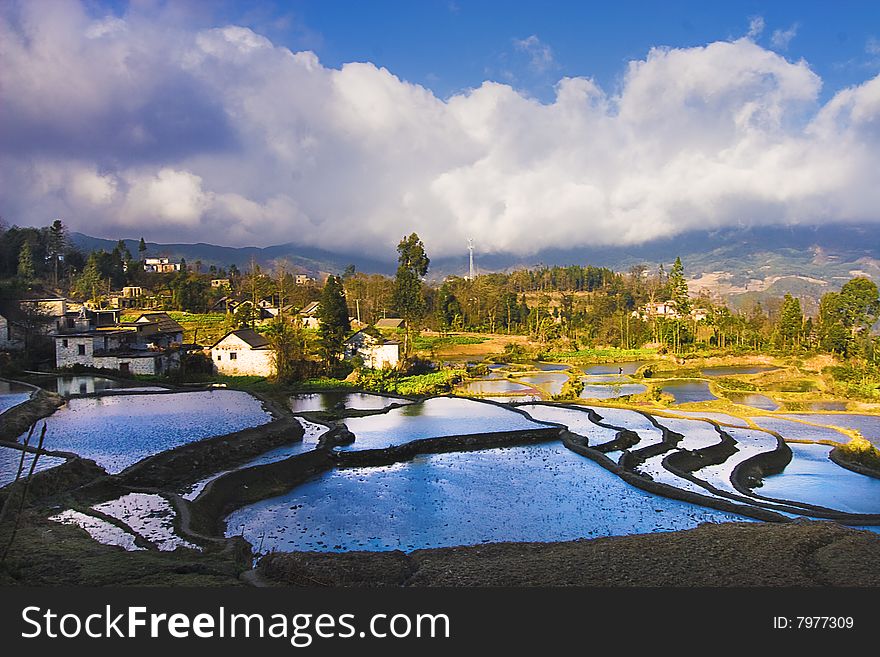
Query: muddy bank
{"x": 839, "y": 456}
{"x": 193, "y": 461}
{"x": 18, "y": 419}
{"x": 734, "y": 554}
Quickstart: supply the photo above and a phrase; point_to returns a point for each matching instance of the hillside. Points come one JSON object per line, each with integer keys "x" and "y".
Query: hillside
{"x": 737, "y": 265}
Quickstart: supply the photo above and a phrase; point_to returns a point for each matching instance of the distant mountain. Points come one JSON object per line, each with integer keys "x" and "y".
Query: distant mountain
{"x": 312, "y": 260}
{"x": 735, "y": 264}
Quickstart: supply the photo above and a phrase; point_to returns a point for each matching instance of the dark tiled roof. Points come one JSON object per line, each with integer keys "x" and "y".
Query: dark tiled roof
{"x": 254, "y": 339}
{"x": 166, "y": 324}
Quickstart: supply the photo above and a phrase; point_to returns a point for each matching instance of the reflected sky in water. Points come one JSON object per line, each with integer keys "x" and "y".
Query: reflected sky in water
{"x": 439, "y": 416}
{"x": 527, "y": 493}
{"x": 119, "y": 430}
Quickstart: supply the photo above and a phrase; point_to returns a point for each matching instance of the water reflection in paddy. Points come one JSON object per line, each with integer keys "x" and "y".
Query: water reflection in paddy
{"x": 689, "y": 391}
{"x": 12, "y": 394}
{"x": 10, "y": 458}
{"x": 100, "y": 530}
{"x": 628, "y": 367}
{"x": 438, "y": 416}
{"x": 67, "y": 385}
{"x": 798, "y": 430}
{"x": 813, "y": 478}
{"x": 627, "y": 419}
{"x": 611, "y": 391}
{"x": 749, "y": 443}
{"x": 492, "y": 387}
{"x": 540, "y": 492}
{"x": 867, "y": 425}
{"x": 312, "y": 431}
{"x": 120, "y": 430}
{"x": 724, "y": 418}
{"x": 577, "y": 421}
{"x": 550, "y": 382}
{"x": 325, "y": 401}
{"x": 752, "y": 399}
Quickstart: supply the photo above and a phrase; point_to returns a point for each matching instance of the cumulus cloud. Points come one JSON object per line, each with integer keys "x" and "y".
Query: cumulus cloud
{"x": 129, "y": 125}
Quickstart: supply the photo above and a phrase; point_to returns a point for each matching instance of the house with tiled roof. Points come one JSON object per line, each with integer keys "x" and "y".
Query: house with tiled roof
{"x": 243, "y": 353}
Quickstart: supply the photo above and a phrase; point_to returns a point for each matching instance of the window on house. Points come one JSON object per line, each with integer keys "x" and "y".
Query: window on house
{"x": 232, "y": 355}
{"x": 219, "y": 357}
{"x": 81, "y": 349}
{"x": 64, "y": 343}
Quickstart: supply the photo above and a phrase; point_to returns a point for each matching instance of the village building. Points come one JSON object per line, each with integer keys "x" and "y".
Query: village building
{"x": 309, "y": 316}
{"x": 128, "y": 297}
{"x": 243, "y": 353}
{"x": 24, "y": 319}
{"x": 390, "y": 323}
{"x": 160, "y": 266}
{"x": 375, "y": 351}
{"x": 221, "y": 282}
{"x": 95, "y": 338}
{"x": 667, "y": 310}
{"x": 303, "y": 279}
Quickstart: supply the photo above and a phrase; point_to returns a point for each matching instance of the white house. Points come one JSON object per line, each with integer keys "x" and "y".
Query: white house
{"x": 149, "y": 345}
{"x": 160, "y": 265}
{"x": 243, "y": 353}
{"x": 376, "y": 352}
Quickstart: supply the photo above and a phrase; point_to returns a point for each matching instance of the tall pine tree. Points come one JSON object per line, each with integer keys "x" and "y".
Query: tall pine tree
{"x": 334, "y": 322}
{"x": 408, "y": 298}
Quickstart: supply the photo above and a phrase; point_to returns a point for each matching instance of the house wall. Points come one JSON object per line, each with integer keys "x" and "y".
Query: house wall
{"x": 247, "y": 361}
{"x": 66, "y": 356}
{"x": 148, "y": 365}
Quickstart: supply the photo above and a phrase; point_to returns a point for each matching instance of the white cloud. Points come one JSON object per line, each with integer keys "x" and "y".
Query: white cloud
{"x": 540, "y": 54}
{"x": 219, "y": 135}
{"x": 756, "y": 27}
{"x": 782, "y": 38}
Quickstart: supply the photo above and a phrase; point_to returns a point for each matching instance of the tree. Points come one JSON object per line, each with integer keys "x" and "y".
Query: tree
{"x": 846, "y": 317}
{"x": 142, "y": 250}
{"x": 288, "y": 349}
{"x": 56, "y": 246}
{"x": 861, "y": 305}
{"x": 678, "y": 289}
{"x": 88, "y": 283}
{"x": 334, "y": 322}
{"x": 791, "y": 322}
{"x": 26, "y": 263}
{"x": 408, "y": 299}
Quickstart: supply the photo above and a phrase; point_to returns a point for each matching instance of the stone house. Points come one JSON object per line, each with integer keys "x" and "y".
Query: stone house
{"x": 243, "y": 353}
{"x": 375, "y": 351}
{"x": 149, "y": 345}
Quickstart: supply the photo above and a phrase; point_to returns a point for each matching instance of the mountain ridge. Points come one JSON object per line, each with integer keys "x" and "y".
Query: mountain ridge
{"x": 747, "y": 262}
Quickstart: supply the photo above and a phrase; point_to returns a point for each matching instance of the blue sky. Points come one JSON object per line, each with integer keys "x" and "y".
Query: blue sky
{"x": 453, "y": 45}
{"x": 524, "y": 125}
